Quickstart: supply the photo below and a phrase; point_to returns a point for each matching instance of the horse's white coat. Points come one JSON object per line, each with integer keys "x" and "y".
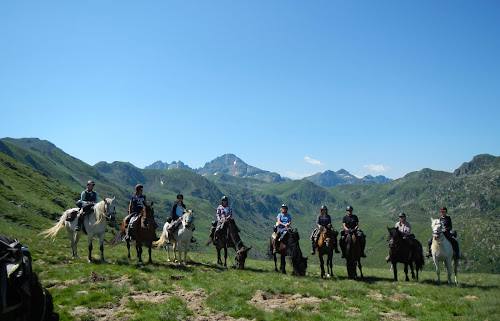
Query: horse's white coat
{"x": 94, "y": 223}
{"x": 442, "y": 250}
{"x": 181, "y": 237}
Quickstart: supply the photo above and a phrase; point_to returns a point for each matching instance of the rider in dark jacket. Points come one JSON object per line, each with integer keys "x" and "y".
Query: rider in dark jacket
{"x": 350, "y": 223}
{"x": 323, "y": 221}
{"x": 448, "y": 233}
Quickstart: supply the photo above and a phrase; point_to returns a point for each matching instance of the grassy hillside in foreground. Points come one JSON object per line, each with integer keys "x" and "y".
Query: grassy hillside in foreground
{"x": 123, "y": 290}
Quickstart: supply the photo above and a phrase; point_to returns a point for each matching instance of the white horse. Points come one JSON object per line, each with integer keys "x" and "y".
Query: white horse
{"x": 181, "y": 237}
{"x": 442, "y": 250}
{"x": 94, "y": 224}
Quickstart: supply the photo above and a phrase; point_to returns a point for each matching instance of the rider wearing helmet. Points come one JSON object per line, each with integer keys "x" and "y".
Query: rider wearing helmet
{"x": 135, "y": 207}
{"x": 224, "y": 212}
{"x": 88, "y": 199}
{"x": 350, "y": 223}
{"x": 405, "y": 228}
{"x": 283, "y": 222}
{"x": 174, "y": 220}
{"x": 323, "y": 221}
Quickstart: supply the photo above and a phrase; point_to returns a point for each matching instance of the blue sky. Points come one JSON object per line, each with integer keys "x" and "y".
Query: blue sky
{"x": 294, "y": 87}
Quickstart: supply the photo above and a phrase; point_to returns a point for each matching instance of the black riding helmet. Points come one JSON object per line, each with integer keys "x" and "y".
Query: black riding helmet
{"x": 402, "y": 214}
{"x": 349, "y": 208}
{"x": 224, "y": 198}
{"x": 90, "y": 182}
{"x": 284, "y": 205}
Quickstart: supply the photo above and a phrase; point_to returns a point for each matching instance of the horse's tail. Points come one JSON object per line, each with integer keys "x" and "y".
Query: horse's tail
{"x": 52, "y": 232}
{"x": 419, "y": 256}
{"x": 161, "y": 241}
{"x": 117, "y": 239}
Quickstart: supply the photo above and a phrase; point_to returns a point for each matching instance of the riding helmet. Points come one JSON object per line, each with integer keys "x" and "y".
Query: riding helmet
{"x": 90, "y": 182}
{"x": 349, "y": 208}
{"x": 138, "y": 186}
{"x": 284, "y": 205}
{"x": 402, "y": 214}
{"x": 224, "y": 198}
{"x": 323, "y": 207}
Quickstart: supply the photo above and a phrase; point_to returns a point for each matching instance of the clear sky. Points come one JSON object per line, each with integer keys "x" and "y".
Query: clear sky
{"x": 294, "y": 87}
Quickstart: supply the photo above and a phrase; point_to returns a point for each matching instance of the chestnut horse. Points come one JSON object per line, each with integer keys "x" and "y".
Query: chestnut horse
{"x": 326, "y": 243}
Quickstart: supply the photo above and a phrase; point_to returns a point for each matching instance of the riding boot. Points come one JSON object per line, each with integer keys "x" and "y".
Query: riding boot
{"x": 335, "y": 246}
{"x": 342, "y": 247}
{"x": 212, "y": 232}
{"x": 79, "y": 222}
{"x": 314, "y": 245}
{"x": 193, "y": 239}
{"x": 430, "y": 251}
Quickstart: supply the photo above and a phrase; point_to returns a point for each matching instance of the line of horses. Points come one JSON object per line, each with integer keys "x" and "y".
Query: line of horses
{"x": 401, "y": 250}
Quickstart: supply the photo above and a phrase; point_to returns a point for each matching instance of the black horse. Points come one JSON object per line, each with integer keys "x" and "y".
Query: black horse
{"x": 406, "y": 251}
{"x": 228, "y": 237}
{"x": 353, "y": 255}
{"x": 290, "y": 247}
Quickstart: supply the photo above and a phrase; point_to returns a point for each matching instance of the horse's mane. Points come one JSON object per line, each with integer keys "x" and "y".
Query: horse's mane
{"x": 100, "y": 209}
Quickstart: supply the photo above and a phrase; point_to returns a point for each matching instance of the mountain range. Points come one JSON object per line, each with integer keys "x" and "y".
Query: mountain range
{"x": 234, "y": 166}
{"x": 38, "y": 181}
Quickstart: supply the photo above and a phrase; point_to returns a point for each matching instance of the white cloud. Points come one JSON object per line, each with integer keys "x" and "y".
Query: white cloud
{"x": 295, "y": 175}
{"x": 313, "y": 161}
{"x": 376, "y": 168}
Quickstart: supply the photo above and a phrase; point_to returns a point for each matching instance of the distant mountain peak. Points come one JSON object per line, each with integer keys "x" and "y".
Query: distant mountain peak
{"x": 330, "y": 178}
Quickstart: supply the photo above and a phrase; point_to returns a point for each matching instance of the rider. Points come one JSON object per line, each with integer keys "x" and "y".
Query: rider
{"x": 350, "y": 223}
{"x": 176, "y": 213}
{"x": 87, "y": 201}
{"x": 323, "y": 221}
{"x": 224, "y": 212}
{"x": 405, "y": 228}
{"x": 448, "y": 233}
{"x": 135, "y": 207}
{"x": 283, "y": 222}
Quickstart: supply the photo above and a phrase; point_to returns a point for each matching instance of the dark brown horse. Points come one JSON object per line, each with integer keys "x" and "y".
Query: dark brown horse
{"x": 289, "y": 246}
{"x": 353, "y": 255}
{"x": 228, "y": 237}
{"x": 326, "y": 241}
{"x": 142, "y": 233}
{"x": 406, "y": 251}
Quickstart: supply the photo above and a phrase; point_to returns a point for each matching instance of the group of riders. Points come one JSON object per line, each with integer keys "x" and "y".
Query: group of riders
{"x": 350, "y": 221}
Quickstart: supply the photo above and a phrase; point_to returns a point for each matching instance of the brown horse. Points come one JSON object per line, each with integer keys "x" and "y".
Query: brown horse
{"x": 228, "y": 237}
{"x": 289, "y": 246}
{"x": 143, "y": 232}
{"x": 326, "y": 246}
{"x": 353, "y": 255}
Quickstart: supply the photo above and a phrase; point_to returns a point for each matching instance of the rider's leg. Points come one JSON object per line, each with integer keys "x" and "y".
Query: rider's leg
{"x": 429, "y": 243}
{"x": 342, "y": 244}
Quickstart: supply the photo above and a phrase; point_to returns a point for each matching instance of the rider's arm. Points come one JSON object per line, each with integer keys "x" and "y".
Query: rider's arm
{"x": 82, "y": 196}
{"x": 95, "y": 198}
{"x": 130, "y": 207}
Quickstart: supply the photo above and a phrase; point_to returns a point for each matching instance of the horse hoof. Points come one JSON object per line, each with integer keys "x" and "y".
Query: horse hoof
{"x": 168, "y": 260}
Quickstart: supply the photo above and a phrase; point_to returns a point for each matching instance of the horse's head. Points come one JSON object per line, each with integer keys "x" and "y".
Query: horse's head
{"x": 241, "y": 256}
{"x": 437, "y": 227}
{"x": 110, "y": 210}
{"x": 188, "y": 218}
{"x": 299, "y": 269}
{"x": 394, "y": 236}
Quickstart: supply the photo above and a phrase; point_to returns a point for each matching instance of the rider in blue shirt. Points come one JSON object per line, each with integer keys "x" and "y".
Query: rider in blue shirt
{"x": 283, "y": 222}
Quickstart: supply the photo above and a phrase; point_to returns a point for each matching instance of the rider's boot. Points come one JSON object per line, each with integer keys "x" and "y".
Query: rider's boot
{"x": 193, "y": 239}
{"x": 430, "y": 251}
{"x": 336, "y": 247}
{"x": 169, "y": 238}
{"x": 314, "y": 245}
{"x": 79, "y": 222}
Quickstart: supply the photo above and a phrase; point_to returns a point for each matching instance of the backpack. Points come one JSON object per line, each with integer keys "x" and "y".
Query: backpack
{"x": 22, "y": 297}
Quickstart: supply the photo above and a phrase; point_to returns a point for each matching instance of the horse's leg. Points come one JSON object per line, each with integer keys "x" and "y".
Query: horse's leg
{"x": 395, "y": 269}
{"x": 225, "y": 256}
{"x": 179, "y": 249}
{"x": 138, "y": 249}
{"x": 283, "y": 263}
{"x": 73, "y": 240}
{"x": 449, "y": 270}
{"x": 149, "y": 249}
{"x": 360, "y": 269}
{"x": 101, "y": 247}
{"x": 321, "y": 263}
{"x": 275, "y": 265}
{"x": 329, "y": 263}
{"x": 168, "y": 252}
{"x": 186, "y": 245}
{"x": 128, "y": 247}
{"x": 438, "y": 270}
{"x": 456, "y": 271}
{"x": 412, "y": 271}
{"x": 89, "y": 242}
{"x": 406, "y": 272}
{"x": 219, "y": 260}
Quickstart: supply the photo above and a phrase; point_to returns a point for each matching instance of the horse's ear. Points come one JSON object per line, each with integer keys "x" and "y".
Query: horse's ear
{"x": 151, "y": 204}
{"x": 248, "y": 248}
{"x": 113, "y": 199}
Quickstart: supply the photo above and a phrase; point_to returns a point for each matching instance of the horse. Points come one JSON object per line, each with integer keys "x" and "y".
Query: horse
{"x": 144, "y": 233}
{"x": 181, "y": 236}
{"x": 326, "y": 242}
{"x": 404, "y": 251}
{"x": 290, "y": 247}
{"x": 353, "y": 255}
{"x": 228, "y": 237}
{"x": 442, "y": 250}
{"x": 94, "y": 223}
